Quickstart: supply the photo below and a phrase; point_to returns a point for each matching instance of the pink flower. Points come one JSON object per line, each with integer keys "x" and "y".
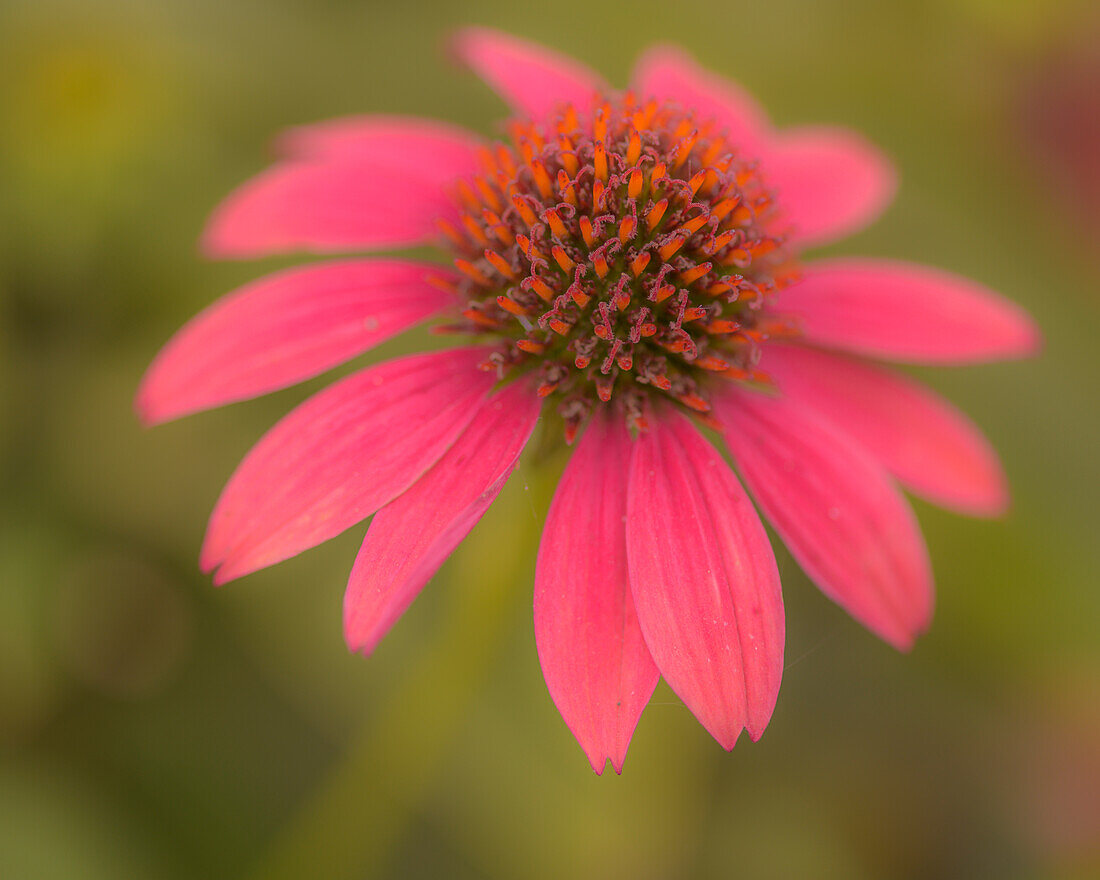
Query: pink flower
{"x": 630, "y": 263}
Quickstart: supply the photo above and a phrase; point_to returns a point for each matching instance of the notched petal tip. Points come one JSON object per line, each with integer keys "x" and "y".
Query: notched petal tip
{"x": 597, "y": 668}
{"x": 708, "y": 594}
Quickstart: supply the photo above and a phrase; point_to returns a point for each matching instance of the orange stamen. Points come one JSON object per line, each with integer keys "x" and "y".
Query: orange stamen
{"x": 500, "y": 264}
{"x": 562, "y": 258}
{"x": 586, "y": 231}
{"x": 556, "y": 226}
{"x": 655, "y": 213}
{"x": 665, "y": 252}
{"x": 471, "y": 271}
{"x": 599, "y": 162}
{"x": 510, "y": 305}
{"x": 524, "y": 210}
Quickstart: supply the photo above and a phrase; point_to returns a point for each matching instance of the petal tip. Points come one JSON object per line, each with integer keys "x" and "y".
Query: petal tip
{"x": 465, "y": 41}
{"x": 902, "y": 636}
{"x": 726, "y": 738}
{"x": 218, "y": 241}
{"x": 1031, "y": 341}
{"x": 223, "y": 576}
{"x": 666, "y": 54}
{"x": 145, "y": 409}
{"x": 358, "y": 637}
{"x": 598, "y": 762}
{"x": 209, "y": 558}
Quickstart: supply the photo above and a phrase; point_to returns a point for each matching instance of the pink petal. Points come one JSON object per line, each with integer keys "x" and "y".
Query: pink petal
{"x": 285, "y": 328}
{"x": 595, "y": 662}
{"x": 669, "y": 74}
{"x": 340, "y": 456}
{"x": 901, "y": 311}
{"x": 401, "y": 142}
{"x": 410, "y": 537}
{"x": 829, "y": 182}
{"x": 920, "y": 438}
{"x": 704, "y": 581}
{"x": 329, "y": 206}
{"x": 836, "y": 510}
{"x": 533, "y": 79}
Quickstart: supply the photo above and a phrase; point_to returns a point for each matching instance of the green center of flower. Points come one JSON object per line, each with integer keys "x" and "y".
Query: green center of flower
{"x": 622, "y": 256}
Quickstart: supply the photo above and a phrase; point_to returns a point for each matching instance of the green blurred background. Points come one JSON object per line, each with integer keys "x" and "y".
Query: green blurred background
{"x": 154, "y": 727}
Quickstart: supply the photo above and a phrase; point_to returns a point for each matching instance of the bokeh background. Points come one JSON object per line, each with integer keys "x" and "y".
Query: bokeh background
{"x": 152, "y": 726}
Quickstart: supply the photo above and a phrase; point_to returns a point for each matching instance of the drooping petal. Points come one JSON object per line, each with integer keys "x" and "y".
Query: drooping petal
{"x": 410, "y": 537}
{"x": 340, "y": 456}
{"x": 330, "y": 206}
{"x": 669, "y": 74}
{"x": 901, "y": 311}
{"x": 704, "y": 581}
{"x": 286, "y": 328}
{"x": 531, "y": 78}
{"x": 595, "y": 662}
{"x": 836, "y": 510}
{"x": 919, "y": 437}
{"x": 393, "y": 141}
{"x": 829, "y": 182}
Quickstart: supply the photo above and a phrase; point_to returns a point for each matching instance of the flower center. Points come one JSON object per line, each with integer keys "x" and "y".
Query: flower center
{"x": 624, "y": 255}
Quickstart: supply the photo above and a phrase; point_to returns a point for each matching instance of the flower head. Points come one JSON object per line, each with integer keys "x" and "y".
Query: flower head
{"x": 632, "y": 261}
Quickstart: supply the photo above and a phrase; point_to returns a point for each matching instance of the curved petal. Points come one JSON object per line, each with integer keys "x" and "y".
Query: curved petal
{"x": 410, "y": 537}
{"x": 829, "y": 182}
{"x": 340, "y": 456}
{"x": 901, "y": 311}
{"x": 401, "y": 142}
{"x": 329, "y": 206}
{"x": 669, "y": 74}
{"x": 593, "y": 657}
{"x": 920, "y": 438}
{"x": 534, "y": 80}
{"x": 837, "y": 511}
{"x": 704, "y": 581}
{"x": 286, "y": 328}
